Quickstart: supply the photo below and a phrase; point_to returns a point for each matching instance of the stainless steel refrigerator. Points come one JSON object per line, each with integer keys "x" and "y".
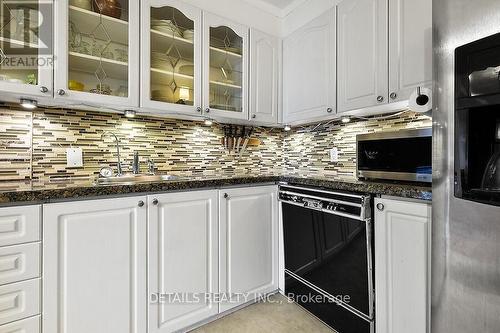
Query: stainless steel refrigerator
{"x": 466, "y": 212}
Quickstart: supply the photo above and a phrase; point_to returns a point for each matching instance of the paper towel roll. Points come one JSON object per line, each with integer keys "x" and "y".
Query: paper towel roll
{"x": 421, "y": 100}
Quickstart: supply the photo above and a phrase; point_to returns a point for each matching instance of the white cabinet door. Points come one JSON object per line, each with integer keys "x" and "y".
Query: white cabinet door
{"x": 183, "y": 258}
{"x": 26, "y": 48}
{"x": 171, "y": 57}
{"x": 248, "y": 239}
{"x": 402, "y": 266}
{"x": 94, "y": 266}
{"x": 362, "y": 54}
{"x": 97, "y": 54}
{"x": 410, "y": 47}
{"x": 309, "y": 61}
{"x": 264, "y": 77}
{"x": 225, "y": 68}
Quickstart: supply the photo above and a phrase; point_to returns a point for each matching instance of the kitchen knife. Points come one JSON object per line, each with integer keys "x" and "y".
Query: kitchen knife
{"x": 230, "y": 139}
{"x": 240, "y": 138}
{"x": 245, "y": 143}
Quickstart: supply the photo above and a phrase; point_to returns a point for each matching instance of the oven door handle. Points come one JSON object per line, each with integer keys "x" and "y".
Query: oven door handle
{"x": 333, "y": 212}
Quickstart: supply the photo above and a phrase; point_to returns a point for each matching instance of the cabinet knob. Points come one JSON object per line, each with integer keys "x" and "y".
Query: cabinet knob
{"x": 198, "y": 109}
{"x": 140, "y": 203}
{"x": 226, "y": 195}
{"x": 61, "y": 92}
{"x": 207, "y": 110}
{"x": 44, "y": 89}
{"x": 254, "y": 116}
{"x": 329, "y": 110}
{"x": 155, "y": 201}
{"x": 380, "y": 206}
{"x": 380, "y": 99}
{"x": 393, "y": 95}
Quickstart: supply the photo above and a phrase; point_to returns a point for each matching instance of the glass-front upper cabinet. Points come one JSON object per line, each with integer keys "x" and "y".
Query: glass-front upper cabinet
{"x": 26, "y": 47}
{"x": 97, "y": 52}
{"x": 225, "y": 68}
{"x": 170, "y": 57}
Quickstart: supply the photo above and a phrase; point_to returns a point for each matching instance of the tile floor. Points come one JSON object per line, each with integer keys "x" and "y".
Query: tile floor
{"x": 276, "y": 317}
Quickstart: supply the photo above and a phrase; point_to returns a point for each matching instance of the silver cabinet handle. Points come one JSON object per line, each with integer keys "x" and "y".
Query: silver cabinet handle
{"x": 226, "y": 195}
{"x": 329, "y": 110}
{"x": 380, "y": 206}
{"x": 198, "y": 109}
{"x": 155, "y": 201}
{"x": 140, "y": 203}
{"x": 207, "y": 110}
{"x": 393, "y": 95}
{"x": 44, "y": 89}
{"x": 61, "y": 92}
{"x": 380, "y": 99}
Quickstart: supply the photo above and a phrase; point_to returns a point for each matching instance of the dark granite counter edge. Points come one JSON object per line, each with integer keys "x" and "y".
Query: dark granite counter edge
{"x": 76, "y": 193}
{"x": 389, "y": 189}
{"x": 89, "y": 192}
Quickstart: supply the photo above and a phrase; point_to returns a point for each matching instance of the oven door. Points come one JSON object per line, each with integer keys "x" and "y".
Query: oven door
{"x": 331, "y": 253}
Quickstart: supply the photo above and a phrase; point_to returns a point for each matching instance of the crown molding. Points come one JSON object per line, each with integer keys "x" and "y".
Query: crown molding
{"x": 274, "y": 10}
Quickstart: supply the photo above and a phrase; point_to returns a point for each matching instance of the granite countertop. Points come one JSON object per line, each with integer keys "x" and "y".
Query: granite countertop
{"x": 39, "y": 192}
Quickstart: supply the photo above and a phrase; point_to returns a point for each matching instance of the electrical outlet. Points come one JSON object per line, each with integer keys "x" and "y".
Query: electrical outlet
{"x": 334, "y": 155}
{"x": 74, "y": 157}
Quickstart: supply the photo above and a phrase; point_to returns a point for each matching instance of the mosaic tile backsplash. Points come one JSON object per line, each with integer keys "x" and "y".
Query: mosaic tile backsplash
{"x": 33, "y": 145}
{"x": 307, "y": 152}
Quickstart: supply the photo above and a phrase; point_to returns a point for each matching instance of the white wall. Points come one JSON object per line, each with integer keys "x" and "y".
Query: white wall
{"x": 242, "y": 12}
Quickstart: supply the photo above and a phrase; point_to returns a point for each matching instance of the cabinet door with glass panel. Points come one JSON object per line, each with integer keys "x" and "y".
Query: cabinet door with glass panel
{"x": 26, "y": 47}
{"x": 225, "y": 68}
{"x": 171, "y": 57}
{"x": 97, "y": 52}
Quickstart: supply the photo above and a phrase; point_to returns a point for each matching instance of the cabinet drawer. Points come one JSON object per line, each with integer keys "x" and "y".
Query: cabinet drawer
{"x": 30, "y": 325}
{"x": 19, "y": 225}
{"x": 19, "y": 262}
{"x": 19, "y": 300}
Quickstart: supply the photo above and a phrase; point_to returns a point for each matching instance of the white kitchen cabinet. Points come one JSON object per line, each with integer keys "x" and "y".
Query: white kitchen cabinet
{"x": 20, "y": 300}
{"x": 362, "y": 54}
{"x": 309, "y": 71}
{"x": 26, "y": 48}
{"x": 225, "y": 68}
{"x": 19, "y": 262}
{"x": 410, "y": 47}
{"x": 29, "y": 325}
{"x": 183, "y": 258}
{"x": 21, "y": 224}
{"x": 248, "y": 241}
{"x": 402, "y": 265}
{"x": 94, "y": 266}
{"x": 97, "y": 53}
{"x": 264, "y": 77}
{"x": 171, "y": 57}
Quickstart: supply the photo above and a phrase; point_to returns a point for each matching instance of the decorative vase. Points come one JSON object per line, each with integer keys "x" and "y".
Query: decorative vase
{"x": 111, "y": 8}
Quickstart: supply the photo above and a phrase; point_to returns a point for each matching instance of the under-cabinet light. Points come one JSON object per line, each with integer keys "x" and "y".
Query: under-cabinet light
{"x": 129, "y": 113}
{"x": 346, "y": 120}
{"x": 287, "y": 128}
{"x": 208, "y": 122}
{"x": 28, "y": 103}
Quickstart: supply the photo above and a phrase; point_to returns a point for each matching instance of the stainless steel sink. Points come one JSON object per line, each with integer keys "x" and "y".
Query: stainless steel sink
{"x": 131, "y": 179}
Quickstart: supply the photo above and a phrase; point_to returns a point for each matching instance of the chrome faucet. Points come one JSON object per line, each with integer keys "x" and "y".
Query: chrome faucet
{"x": 117, "y": 142}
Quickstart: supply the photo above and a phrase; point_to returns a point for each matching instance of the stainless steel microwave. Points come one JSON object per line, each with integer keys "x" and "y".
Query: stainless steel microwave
{"x": 404, "y": 155}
